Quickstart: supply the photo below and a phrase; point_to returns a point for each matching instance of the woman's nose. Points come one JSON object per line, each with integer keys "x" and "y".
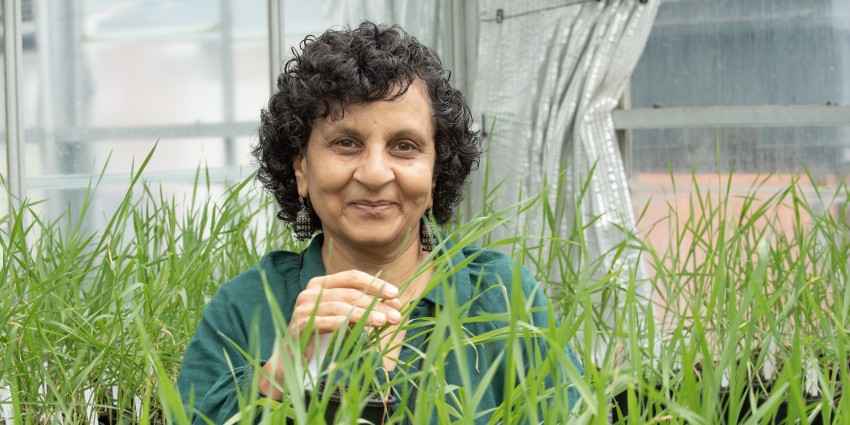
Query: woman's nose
{"x": 375, "y": 169}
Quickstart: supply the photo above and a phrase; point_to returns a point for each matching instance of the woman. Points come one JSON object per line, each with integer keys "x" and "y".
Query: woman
{"x": 364, "y": 144}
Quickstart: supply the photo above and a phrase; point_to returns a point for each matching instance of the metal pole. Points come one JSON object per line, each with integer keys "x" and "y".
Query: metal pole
{"x": 459, "y": 46}
{"x": 624, "y": 136}
{"x": 44, "y": 14}
{"x": 459, "y": 75}
{"x": 12, "y": 47}
{"x": 275, "y": 42}
{"x": 228, "y": 84}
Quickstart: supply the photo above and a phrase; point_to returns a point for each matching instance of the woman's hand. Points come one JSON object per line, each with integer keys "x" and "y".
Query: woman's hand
{"x": 338, "y": 300}
{"x": 342, "y": 299}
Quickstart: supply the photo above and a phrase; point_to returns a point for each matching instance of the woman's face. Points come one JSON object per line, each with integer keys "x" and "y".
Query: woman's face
{"x": 369, "y": 175}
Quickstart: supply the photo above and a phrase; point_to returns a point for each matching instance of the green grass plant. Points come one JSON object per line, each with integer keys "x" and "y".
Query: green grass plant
{"x": 748, "y": 319}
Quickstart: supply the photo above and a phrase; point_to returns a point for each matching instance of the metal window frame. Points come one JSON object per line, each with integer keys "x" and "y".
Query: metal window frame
{"x": 15, "y": 135}
{"x": 276, "y": 41}
{"x": 732, "y": 116}
{"x": 760, "y": 116}
{"x": 12, "y": 54}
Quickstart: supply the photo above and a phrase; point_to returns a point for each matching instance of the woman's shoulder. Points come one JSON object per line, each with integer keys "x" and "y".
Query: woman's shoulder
{"x": 484, "y": 262}
{"x": 492, "y": 273}
{"x": 275, "y": 268}
{"x": 243, "y": 299}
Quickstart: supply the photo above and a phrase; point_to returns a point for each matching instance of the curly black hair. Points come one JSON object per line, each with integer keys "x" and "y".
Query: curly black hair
{"x": 354, "y": 66}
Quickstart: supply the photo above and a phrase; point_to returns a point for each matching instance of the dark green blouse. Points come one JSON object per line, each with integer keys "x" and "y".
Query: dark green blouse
{"x": 206, "y": 373}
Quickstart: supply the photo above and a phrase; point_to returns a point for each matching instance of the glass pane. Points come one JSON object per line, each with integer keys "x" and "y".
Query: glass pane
{"x": 106, "y": 199}
{"x": 754, "y": 52}
{"x": 825, "y": 151}
{"x": 193, "y": 68}
{"x": 116, "y": 158}
{"x": 300, "y": 19}
{"x": 760, "y": 161}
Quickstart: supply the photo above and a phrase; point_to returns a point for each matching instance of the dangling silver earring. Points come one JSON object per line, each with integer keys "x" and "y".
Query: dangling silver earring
{"x": 303, "y": 226}
{"x": 427, "y": 238}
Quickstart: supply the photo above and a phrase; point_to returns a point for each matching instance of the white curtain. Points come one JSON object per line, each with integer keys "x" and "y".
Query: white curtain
{"x": 549, "y": 75}
{"x": 430, "y": 21}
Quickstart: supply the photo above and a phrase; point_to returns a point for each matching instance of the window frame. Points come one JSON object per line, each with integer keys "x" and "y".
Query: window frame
{"x": 16, "y": 136}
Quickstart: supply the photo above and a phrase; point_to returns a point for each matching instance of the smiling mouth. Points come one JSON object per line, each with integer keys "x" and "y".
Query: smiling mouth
{"x": 372, "y": 208}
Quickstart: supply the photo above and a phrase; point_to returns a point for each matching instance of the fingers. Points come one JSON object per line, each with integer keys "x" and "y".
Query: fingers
{"x": 332, "y": 323}
{"x": 348, "y": 296}
{"x": 328, "y": 324}
{"x": 355, "y": 279}
{"x": 345, "y": 298}
{"x": 355, "y": 288}
{"x": 332, "y": 315}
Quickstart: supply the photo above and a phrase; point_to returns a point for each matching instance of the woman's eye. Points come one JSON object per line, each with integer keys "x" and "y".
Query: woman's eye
{"x": 404, "y": 146}
{"x": 344, "y": 145}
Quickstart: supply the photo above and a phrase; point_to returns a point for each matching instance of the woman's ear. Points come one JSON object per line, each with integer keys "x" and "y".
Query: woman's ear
{"x": 299, "y": 164}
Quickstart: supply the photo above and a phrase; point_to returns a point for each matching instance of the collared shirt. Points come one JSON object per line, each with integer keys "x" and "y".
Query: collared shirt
{"x": 213, "y": 368}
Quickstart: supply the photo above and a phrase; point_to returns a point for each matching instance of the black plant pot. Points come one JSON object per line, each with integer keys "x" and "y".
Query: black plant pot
{"x": 375, "y": 411}
{"x": 646, "y": 405}
{"x": 116, "y": 417}
{"x": 113, "y": 417}
{"x": 759, "y": 387}
{"x": 621, "y": 404}
{"x": 782, "y": 410}
{"x": 781, "y": 415}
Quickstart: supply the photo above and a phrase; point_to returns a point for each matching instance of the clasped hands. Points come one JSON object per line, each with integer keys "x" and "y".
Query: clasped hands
{"x": 330, "y": 303}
